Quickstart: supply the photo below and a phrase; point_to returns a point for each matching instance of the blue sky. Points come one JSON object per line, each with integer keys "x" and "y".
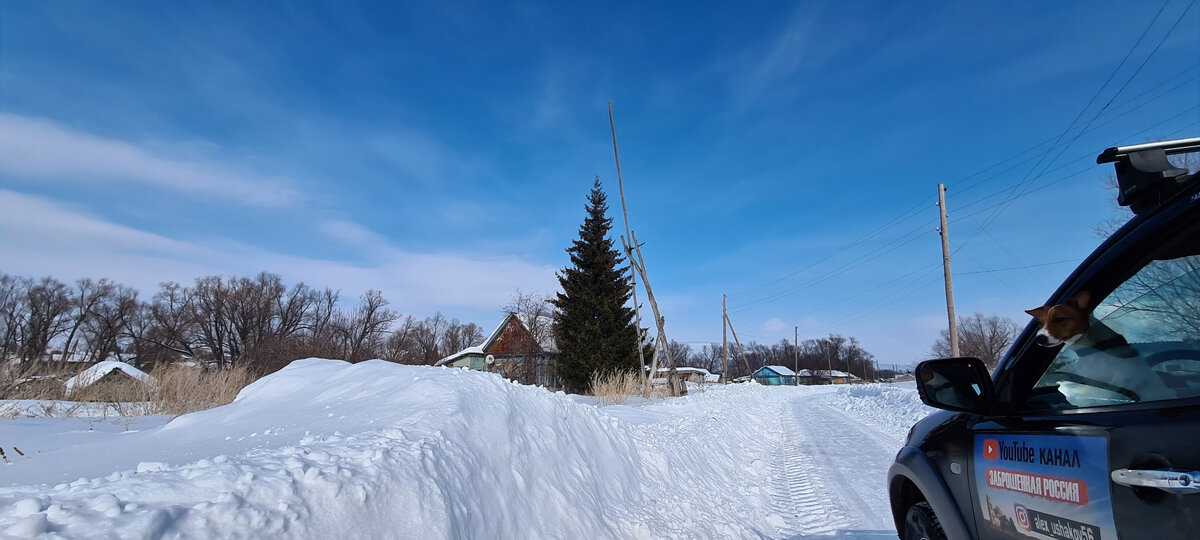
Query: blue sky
{"x": 786, "y": 154}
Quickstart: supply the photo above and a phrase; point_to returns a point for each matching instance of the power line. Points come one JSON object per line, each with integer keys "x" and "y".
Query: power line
{"x": 1131, "y": 76}
{"x": 1064, "y": 261}
{"x": 1084, "y": 157}
{"x": 1088, "y": 156}
{"x": 911, "y": 237}
{"x": 907, "y": 214}
{"x": 1019, "y": 189}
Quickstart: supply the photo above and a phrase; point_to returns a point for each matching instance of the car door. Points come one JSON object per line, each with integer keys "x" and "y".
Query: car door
{"x": 1101, "y": 437}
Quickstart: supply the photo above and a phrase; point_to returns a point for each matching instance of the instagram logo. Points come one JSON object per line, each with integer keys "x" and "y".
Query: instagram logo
{"x": 1022, "y": 517}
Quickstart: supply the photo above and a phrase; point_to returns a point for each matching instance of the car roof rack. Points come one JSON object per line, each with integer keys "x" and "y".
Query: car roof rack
{"x": 1144, "y": 176}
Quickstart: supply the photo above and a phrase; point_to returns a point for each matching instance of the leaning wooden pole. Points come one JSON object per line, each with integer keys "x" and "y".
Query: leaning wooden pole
{"x": 637, "y": 315}
{"x": 739, "y": 345}
{"x": 659, "y": 320}
{"x": 724, "y": 340}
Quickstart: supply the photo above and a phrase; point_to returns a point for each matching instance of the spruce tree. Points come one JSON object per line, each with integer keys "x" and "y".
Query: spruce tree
{"x": 594, "y": 329}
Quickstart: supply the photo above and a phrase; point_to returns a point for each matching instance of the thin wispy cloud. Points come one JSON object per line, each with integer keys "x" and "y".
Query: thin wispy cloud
{"x": 420, "y": 158}
{"x": 41, "y": 234}
{"x": 37, "y": 149}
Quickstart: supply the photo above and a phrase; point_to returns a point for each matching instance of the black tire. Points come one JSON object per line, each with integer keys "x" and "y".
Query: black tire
{"x": 920, "y": 523}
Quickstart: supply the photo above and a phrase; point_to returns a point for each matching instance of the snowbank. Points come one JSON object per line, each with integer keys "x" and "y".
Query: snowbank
{"x": 892, "y": 408}
{"x": 90, "y": 375}
{"x": 326, "y": 449}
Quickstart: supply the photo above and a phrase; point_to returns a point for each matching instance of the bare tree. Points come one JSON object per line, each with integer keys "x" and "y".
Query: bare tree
{"x": 14, "y": 299}
{"x": 366, "y": 327}
{"x": 108, "y": 321}
{"x": 48, "y": 303}
{"x": 401, "y": 346}
{"x": 87, "y": 295}
{"x": 211, "y": 313}
{"x": 427, "y": 337}
{"x": 986, "y": 337}
{"x": 165, "y": 328}
{"x": 709, "y": 358}
{"x": 682, "y": 353}
{"x": 459, "y": 336}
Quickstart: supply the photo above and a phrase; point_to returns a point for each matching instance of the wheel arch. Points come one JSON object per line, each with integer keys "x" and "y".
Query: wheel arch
{"x": 913, "y": 479}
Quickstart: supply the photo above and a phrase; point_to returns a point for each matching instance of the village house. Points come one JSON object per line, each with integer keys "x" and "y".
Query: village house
{"x": 519, "y": 349}
{"x": 775, "y": 376}
{"x": 824, "y": 376}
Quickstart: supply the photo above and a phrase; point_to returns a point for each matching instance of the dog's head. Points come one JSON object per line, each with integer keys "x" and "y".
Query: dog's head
{"x": 1065, "y": 322}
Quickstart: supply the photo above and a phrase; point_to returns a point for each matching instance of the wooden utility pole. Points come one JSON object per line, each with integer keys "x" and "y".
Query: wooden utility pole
{"x": 738, "y": 343}
{"x": 724, "y": 339}
{"x": 632, "y": 247}
{"x": 633, "y": 278}
{"x": 946, "y": 266}
{"x": 677, "y": 387}
{"x": 796, "y": 356}
{"x": 829, "y": 359}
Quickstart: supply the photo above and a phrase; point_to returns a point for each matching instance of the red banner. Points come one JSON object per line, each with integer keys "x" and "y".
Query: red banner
{"x": 1036, "y": 485}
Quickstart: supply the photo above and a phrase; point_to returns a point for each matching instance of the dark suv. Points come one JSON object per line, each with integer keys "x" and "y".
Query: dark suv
{"x": 1084, "y": 436}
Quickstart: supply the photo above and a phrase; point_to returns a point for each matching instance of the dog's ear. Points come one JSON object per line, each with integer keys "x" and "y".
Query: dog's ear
{"x": 1083, "y": 301}
{"x": 1038, "y": 312}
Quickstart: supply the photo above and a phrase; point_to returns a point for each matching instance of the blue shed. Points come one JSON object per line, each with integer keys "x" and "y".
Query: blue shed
{"x": 775, "y": 376}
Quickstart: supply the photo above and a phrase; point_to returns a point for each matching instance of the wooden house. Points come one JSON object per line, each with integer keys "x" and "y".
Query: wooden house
{"x": 519, "y": 349}
{"x": 824, "y": 376}
{"x": 775, "y": 376}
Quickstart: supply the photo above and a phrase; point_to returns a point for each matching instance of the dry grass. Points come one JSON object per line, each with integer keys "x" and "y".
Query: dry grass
{"x": 32, "y": 382}
{"x": 615, "y": 388}
{"x": 177, "y": 390}
{"x": 183, "y": 390}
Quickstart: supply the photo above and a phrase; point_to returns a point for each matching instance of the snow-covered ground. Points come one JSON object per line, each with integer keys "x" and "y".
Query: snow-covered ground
{"x": 326, "y": 449}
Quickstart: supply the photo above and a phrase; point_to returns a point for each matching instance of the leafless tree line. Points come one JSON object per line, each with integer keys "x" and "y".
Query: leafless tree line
{"x": 831, "y": 352}
{"x": 256, "y": 322}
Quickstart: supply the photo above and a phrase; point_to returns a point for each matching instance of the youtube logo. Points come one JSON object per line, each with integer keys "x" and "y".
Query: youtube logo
{"x": 991, "y": 449}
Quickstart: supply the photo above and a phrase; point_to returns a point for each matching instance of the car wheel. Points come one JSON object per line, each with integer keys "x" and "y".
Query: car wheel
{"x": 920, "y": 523}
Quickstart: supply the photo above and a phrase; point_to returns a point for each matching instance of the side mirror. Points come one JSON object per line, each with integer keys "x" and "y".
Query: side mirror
{"x": 955, "y": 384}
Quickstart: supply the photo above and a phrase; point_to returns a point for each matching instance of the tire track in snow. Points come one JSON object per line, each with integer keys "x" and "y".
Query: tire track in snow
{"x": 801, "y": 500}
{"x": 849, "y": 459}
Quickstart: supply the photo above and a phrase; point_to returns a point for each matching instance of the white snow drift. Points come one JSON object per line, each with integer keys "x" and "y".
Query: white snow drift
{"x": 326, "y": 449}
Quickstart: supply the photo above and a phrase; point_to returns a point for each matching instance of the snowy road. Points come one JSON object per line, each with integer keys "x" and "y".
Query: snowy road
{"x": 830, "y": 471}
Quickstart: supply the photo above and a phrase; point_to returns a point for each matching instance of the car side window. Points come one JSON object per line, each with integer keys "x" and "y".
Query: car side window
{"x": 1143, "y": 343}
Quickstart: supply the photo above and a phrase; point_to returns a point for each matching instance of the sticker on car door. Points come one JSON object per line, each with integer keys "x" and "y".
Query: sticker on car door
{"x": 1043, "y": 486}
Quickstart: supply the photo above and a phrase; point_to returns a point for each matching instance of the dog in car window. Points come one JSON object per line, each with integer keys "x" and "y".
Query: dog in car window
{"x": 1107, "y": 364}
{"x": 1071, "y": 322}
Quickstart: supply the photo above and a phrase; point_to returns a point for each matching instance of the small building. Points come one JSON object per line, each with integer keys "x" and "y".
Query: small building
{"x": 515, "y": 351}
{"x": 107, "y": 372}
{"x": 775, "y": 376}
{"x": 825, "y": 376}
{"x": 687, "y": 374}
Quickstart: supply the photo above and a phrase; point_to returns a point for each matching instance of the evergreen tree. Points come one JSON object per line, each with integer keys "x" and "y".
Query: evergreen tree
{"x": 594, "y": 329}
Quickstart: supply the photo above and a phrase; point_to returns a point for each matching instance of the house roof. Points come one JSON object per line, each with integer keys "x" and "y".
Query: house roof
{"x": 477, "y": 349}
{"x": 708, "y": 376}
{"x": 826, "y": 373}
{"x": 780, "y": 370}
{"x": 546, "y": 342}
{"x": 90, "y": 375}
